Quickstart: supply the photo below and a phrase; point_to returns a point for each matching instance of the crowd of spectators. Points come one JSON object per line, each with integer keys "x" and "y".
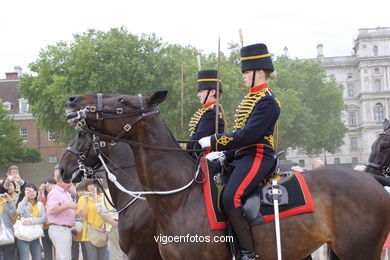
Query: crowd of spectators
{"x": 64, "y": 214}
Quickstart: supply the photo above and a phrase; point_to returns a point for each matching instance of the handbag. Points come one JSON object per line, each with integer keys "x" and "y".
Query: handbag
{"x": 6, "y": 236}
{"x": 27, "y": 232}
{"x": 97, "y": 236}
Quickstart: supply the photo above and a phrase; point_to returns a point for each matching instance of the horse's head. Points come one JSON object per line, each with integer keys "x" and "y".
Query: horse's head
{"x": 379, "y": 160}
{"x": 80, "y": 158}
{"x": 100, "y": 111}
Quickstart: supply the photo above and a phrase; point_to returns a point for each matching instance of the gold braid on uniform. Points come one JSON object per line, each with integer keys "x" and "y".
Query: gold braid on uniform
{"x": 221, "y": 115}
{"x": 196, "y": 118}
{"x": 246, "y": 107}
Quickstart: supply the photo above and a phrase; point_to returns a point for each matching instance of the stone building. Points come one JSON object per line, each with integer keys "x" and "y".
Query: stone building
{"x": 365, "y": 76}
{"x": 19, "y": 109}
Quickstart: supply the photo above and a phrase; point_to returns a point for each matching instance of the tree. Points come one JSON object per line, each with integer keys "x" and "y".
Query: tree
{"x": 12, "y": 149}
{"x": 120, "y": 62}
{"x": 311, "y": 106}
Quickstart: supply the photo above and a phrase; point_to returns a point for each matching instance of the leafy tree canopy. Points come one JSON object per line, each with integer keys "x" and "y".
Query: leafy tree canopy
{"x": 120, "y": 62}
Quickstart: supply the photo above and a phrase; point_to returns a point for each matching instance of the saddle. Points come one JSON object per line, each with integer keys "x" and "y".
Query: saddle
{"x": 294, "y": 196}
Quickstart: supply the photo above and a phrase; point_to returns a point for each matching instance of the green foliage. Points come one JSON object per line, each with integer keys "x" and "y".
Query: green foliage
{"x": 311, "y": 106}
{"x": 12, "y": 149}
{"x": 120, "y": 62}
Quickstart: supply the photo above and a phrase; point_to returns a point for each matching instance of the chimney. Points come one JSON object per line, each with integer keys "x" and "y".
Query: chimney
{"x": 320, "y": 51}
{"x": 11, "y": 76}
{"x": 285, "y": 50}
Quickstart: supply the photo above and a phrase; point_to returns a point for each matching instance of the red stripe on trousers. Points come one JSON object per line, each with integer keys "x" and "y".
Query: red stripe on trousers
{"x": 249, "y": 177}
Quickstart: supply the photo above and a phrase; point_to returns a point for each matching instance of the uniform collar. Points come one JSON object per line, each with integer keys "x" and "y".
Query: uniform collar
{"x": 258, "y": 88}
{"x": 210, "y": 104}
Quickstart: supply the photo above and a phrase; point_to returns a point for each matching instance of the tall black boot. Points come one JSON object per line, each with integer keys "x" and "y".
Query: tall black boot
{"x": 243, "y": 232}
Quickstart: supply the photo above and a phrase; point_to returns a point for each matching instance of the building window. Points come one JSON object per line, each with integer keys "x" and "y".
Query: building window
{"x": 301, "y": 163}
{"x": 354, "y": 144}
{"x": 378, "y": 85}
{"x": 336, "y": 160}
{"x": 349, "y": 76}
{"x": 375, "y": 50}
{"x": 352, "y": 118}
{"x": 23, "y": 134}
{"x": 376, "y": 70}
{"x": 23, "y": 106}
{"x": 51, "y": 136}
{"x": 378, "y": 112}
{"x": 7, "y": 106}
{"x": 364, "y": 46}
{"x": 351, "y": 90}
{"x": 354, "y": 160}
{"x": 301, "y": 149}
{"x": 52, "y": 158}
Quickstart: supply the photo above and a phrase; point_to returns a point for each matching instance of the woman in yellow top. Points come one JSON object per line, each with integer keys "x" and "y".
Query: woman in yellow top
{"x": 7, "y": 213}
{"x": 34, "y": 210}
{"x": 88, "y": 210}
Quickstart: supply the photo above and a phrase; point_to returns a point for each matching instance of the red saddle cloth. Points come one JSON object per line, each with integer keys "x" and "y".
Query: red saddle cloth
{"x": 300, "y": 200}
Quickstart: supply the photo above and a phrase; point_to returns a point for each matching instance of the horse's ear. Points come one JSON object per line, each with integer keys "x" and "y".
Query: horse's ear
{"x": 386, "y": 124}
{"x": 158, "y": 97}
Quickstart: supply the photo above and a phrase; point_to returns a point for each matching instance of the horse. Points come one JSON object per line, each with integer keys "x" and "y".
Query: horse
{"x": 379, "y": 159}
{"x": 136, "y": 225}
{"x": 340, "y": 196}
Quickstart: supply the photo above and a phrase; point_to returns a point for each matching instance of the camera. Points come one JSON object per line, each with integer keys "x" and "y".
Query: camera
{"x": 3, "y": 195}
{"x": 11, "y": 178}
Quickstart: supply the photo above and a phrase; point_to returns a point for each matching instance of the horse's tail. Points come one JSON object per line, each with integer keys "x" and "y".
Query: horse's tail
{"x": 382, "y": 180}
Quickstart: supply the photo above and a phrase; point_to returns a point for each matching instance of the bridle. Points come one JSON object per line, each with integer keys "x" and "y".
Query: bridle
{"x": 383, "y": 168}
{"x": 101, "y": 113}
{"x": 90, "y": 172}
{"x": 79, "y": 117}
{"x": 87, "y": 171}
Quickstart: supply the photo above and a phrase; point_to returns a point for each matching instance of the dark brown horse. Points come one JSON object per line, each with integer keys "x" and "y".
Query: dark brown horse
{"x": 379, "y": 159}
{"x": 136, "y": 225}
{"x": 341, "y": 197}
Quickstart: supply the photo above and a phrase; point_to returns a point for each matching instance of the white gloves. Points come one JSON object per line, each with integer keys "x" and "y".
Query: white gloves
{"x": 205, "y": 141}
{"x": 214, "y": 156}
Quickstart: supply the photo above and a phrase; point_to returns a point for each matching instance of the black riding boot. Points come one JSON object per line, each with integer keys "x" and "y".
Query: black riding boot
{"x": 243, "y": 232}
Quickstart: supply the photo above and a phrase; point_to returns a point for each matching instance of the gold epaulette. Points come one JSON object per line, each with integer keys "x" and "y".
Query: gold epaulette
{"x": 246, "y": 107}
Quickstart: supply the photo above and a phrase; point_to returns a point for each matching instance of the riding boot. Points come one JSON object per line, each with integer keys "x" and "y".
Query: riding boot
{"x": 243, "y": 232}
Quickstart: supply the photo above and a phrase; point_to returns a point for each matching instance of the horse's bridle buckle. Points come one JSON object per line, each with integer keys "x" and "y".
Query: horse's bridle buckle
{"x": 80, "y": 124}
{"x": 127, "y": 127}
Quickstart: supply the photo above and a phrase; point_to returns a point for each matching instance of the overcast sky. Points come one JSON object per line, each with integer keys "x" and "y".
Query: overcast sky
{"x": 27, "y": 26}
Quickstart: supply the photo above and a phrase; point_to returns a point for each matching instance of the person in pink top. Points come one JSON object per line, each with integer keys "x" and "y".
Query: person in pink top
{"x": 61, "y": 212}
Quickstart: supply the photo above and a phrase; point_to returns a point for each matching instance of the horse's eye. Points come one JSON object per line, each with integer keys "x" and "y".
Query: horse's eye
{"x": 121, "y": 100}
{"x": 384, "y": 146}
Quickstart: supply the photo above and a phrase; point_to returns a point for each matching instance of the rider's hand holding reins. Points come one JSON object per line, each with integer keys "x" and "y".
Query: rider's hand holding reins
{"x": 205, "y": 142}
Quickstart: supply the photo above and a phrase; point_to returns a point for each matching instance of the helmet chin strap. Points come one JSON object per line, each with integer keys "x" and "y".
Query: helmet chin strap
{"x": 207, "y": 96}
{"x": 253, "y": 78}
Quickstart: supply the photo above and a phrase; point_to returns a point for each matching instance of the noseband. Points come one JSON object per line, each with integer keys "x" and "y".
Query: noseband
{"x": 384, "y": 168}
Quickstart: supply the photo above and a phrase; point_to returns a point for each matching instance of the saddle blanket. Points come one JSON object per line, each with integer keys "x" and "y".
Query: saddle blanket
{"x": 300, "y": 200}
